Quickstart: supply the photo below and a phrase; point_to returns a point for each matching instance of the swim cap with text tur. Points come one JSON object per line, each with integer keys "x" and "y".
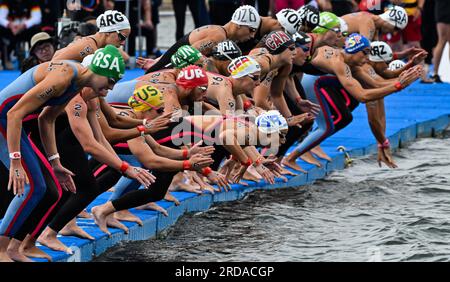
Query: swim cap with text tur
{"x": 243, "y": 66}
{"x": 111, "y": 21}
{"x": 395, "y": 65}
{"x": 290, "y": 20}
{"x": 185, "y": 55}
{"x": 395, "y": 16}
{"x": 309, "y": 16}
{"x": 145, "y": 98}
{"x": 191, "y": 77}
{"x": 380, "y": 52}
{"x": 355, "y": 43}
{"x": 106, "y": 62}
{"x": 277, "y": 41}
{"x": 246, "y": 15}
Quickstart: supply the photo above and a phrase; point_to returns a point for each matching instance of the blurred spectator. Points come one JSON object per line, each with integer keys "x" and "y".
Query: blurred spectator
{"x": 203, "y": 13}
{"x": 442, "y": 15}
{"x": 324, "y": 5}
{"x": 179, "y": 7}
{"x": 343, "y": 7}
{"x": 261, "y": 5}
{"x": 42, "y": 49}
{"x": 220, "y": 11}
{"x": 87, "y": 8}
{"x": 376, "y": 7}
{"x": 85, "y": 29}
{"x": 284, "y": 4}
{"x": 19, "y": 20}
{"x": 51, "y": 11}
{"x": 429, "y": 32}
{"x": 148, "y": 23}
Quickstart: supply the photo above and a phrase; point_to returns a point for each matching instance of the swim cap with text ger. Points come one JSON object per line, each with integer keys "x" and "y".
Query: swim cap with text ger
{"x": 355, "y": 43}
{"x": 380, "y": 52}
{"x": 290, "y": 20}
{"x": 243, "y": 66}
{"x": 246, "y": 15}
{"x": 145, "y": 98}
{"x": 111, "y": 21}
{"x": 191, "y": 77}
{"x": 107, "y": 62}
{"x": 185, "y": 55}
{"x": 395, "y": 16}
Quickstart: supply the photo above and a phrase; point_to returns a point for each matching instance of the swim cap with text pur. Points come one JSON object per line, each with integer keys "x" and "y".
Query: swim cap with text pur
{"x": 290, "y": 20}
{"x": 226, "y": 50}
{"x": 355, "y": 43}
{"x": 271, "y": 122}
{"x": 243, "y": 66}
{"x": 145, "y": 98}
{"x": 395, "y": 16}
{"x": 277, "y": 41}
{"x": 397, "y": 64}
{"x": 185, "y": 55}
{"x": 107, "y": 62}
{"x": 327, "y": 20}
{"x": 111, "y": 21}
{"x": 246, "y": 15}
{"x": 309, "y": 16}
{"x": 380, "y": 52}
{"x": 191, "y": 77}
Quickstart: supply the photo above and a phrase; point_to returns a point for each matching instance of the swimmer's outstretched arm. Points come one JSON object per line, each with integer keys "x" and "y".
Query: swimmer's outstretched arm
{"x": 115, "y": 120}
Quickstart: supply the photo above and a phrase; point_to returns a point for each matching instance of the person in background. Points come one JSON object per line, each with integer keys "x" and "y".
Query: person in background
{"x": 285, "y": 4}
{"x": 179, "y": 6}
{"x": 42, "y": 49}
{"x": 442, "y": 14}
{"x": 261, "y": 5}
{"x": 429, "y": 32}
{"x": 51, "y": 11}
{"x": 19, "y": 21}
{"x": 88, "y": 8}
{"x": 343, "y": 7}
{"x": 220, "y": 11}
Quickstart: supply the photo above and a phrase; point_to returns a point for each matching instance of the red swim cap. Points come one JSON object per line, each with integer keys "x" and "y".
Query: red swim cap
{"x": 192, "y": 76}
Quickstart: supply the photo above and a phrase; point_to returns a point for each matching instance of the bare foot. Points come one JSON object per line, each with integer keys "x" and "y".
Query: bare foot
{"x": 309, "y": 158}
{"x": 72, "y": 229}
{"x": 111, "y": 189}
{"x": 100, "y": 219}
{"x": 320, "y": 153}
{"x": 84, "y": 214}
{"x": 126, "y": 215}
{"x": 287, "y": 172}
{"x": 35, "y": 252}
{"x": 50, "y": 240}
{"x": 15, "y": 255}
{"x": 153, "y": 207}
{"x": 114, "y": 223}
{"x": 252, "y": 175}
{"x": 4, "y": 257}
{"x": 169, "y": 197}
{"x": 292, "y": 164}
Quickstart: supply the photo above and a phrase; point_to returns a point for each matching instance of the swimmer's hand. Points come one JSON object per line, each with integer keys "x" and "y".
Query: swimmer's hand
{"x": 64, "y": 177}
{"x": 143, "y": 176}
{"x": 219, "y": 180}
{"x": 145, "y": 63}
{"x": 300, "y": 120}
{"x": 385, "y": 156}
{"x": 275, "y": 168}
{"x": 409, "y": 76}
{"x": 196, "y": 149}
{"x": 265, "y": 173}
{"x": 157, "y": 124}
{"x": 17, "y": 178}
{"x": 419, "y": 57}
{"x": 307, "y": 106}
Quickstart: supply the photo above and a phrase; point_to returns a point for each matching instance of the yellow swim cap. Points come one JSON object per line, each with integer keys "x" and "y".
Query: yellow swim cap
{"x": 145, "y": 98}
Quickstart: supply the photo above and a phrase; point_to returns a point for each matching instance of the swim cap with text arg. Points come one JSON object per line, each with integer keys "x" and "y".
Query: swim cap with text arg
{"x": 226, "y": 50}
{"x": 185, "y": 55}
{"x": 191, "y": 77}
{"x": 145, "y": 98}
{"x": 271, "y": 122}
{"x": 395, "y": 16}
{"x": 111, "y": 21}
{"x": 309, "y": 16}
{"x": 276, "y": 42}
{"x": 246, "y": 15}
{"x": 243, "y": 66}
{"x": 290, "y": 20}
{"x": 327, "y": 21}
{"x": 380, "y": 52}
{"x": 355, "y": 43}
{"x": 397, "y": 64}
{"x": 106, "y": 62}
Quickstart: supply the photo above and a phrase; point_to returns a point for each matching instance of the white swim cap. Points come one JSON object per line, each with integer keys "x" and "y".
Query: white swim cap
{"x": 271, "y": 122}
{"x": 111, "y": 21}
{"x": 243, "y": 66}
{"x": 397, "y": 64}
{"x": 246, "y": 15}
{"x": 380, "y": 52}
{"x": 344, "y": 25}
{"x": 87, "y": 60}
{"x": 396, "y": 16}
{"x": 290, "y": 20}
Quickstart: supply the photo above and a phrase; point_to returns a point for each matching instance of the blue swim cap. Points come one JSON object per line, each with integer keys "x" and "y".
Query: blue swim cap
{"x": 355, "y": 42}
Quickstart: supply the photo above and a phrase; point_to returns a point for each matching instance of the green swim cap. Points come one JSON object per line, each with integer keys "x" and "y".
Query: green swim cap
{"x": 327, "y": 20}
{"x": 108, "y": 62}
{"x": 185, "y": 55}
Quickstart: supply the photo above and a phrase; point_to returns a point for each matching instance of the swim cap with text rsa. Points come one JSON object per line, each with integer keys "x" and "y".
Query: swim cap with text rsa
{"x": 246, "y": 15}
{"x": 106, "y": 62}
{"x": 396, "y": 16}
{"x": 380, "y": 52}
{"x": 111, "y": 21}
{"x": 290, "y": 20}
